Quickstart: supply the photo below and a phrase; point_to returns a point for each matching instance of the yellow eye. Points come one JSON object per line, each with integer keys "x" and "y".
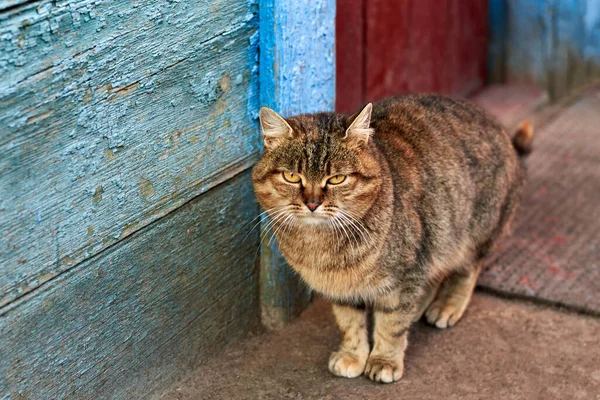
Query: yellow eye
{"x": 336, "y": 180}
{"x": 291, "y": 177}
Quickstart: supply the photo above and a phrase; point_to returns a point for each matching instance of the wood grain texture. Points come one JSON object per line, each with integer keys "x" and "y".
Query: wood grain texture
{"x": 425, "y": 46}
{"x": 131, "y": 321}
{"x": 5, "y": 4}
{"x": 350, "y": 55}
{"x": 104, "y": 128}
{"x": 411, "y": 46}
{"x": 297, "y": 75}
{"x": 555, "y": 44}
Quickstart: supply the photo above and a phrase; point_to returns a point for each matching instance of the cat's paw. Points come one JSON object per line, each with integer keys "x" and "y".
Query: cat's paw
{"x": 385, "y": 370}
{"x": 444, "y": 313}
{"x": 344, "y": 364}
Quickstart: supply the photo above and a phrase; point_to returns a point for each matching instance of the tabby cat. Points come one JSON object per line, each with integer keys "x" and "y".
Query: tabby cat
{"x": 389, "y": 211}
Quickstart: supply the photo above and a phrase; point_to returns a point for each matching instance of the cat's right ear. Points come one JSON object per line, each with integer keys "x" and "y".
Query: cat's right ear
{"x": 275, "y": 129}
{"x": 359, "y": 132}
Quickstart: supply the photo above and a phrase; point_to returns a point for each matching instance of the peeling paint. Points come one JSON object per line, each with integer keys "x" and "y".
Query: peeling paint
{"x": 83, "y": 89}
{"x": 146, "y": 188}
{"x": 97, "y": 195}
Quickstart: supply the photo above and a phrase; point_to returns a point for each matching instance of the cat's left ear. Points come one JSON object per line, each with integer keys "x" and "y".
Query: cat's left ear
{"x": 360, "y": 131}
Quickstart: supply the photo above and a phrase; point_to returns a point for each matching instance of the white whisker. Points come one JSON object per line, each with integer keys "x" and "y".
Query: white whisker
{"x": 336, "y": 233}
{"x": 258, "y": 223}
{"x": 279, "y": 227}
{"x": 357, "y": 221}
{"x": 351, "y": 227}
{"x": 354, "y": 225}
{"x": 345, "y": 233}
{"x": 279, "y": 214}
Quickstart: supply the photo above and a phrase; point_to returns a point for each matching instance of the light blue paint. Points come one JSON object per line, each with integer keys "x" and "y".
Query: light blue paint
{"x": 554, "y": 43}
{"x": 591, "y": 50}
{"x": 529, "y": 39}
{"x": 297, "y": 57}
{"x": 297, "y": 75}
{"x": 116, "y": 110}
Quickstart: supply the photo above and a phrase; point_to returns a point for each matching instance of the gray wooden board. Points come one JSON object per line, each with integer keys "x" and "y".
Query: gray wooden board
{"x": 137, "y": 316}
{"x": 115, "y": 113}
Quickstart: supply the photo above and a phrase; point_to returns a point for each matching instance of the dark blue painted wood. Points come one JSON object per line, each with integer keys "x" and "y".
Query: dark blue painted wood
{"x": 297, "y": 75}
{"x": 115, "y": 113}
{"x": 133, "y": 320}
{"x": 497, "y": 43}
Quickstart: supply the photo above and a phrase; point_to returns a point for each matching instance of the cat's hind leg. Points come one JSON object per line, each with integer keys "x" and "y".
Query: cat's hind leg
{"x": 453, "y": 298}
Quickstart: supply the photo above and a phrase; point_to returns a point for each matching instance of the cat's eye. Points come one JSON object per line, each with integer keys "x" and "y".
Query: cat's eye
{"x": 291, "y": 177}
{"x": 336, "y": 180}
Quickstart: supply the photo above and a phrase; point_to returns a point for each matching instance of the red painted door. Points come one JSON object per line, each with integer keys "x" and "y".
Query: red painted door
{"x": 386, "y": 47}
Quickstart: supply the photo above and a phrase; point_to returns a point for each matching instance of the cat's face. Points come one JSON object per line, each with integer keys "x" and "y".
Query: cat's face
{"x": 317, "y": 169}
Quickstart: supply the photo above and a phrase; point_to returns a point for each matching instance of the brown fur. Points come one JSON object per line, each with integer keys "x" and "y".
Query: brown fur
{"x": 431, "y": 185}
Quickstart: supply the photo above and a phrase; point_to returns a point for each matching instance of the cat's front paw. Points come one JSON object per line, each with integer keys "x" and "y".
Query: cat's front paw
{"x": 385, "y": 370}
{"x": 345, "y": 364}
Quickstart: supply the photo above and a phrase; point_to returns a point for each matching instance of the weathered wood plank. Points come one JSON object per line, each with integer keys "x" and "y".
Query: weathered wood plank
{"x": 104, "y": 128}
{"x": 555, "y": 44}
{"x": 297, "y": 59}
{"x": 528, "y": 22}
{"x": 568, "y": 69}
{"x": 136, "y": 317}
{"x": 297, "y": 75}
{"x": 4, "y": 4}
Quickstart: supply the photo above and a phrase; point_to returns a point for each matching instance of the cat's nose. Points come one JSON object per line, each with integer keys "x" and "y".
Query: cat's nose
{"x": 312, "y": 205}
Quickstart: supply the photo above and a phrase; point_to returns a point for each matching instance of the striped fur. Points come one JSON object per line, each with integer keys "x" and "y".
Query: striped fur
{"x": 426, "y": 198}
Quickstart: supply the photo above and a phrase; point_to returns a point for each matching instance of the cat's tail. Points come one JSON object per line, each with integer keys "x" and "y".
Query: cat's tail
{"x": 523, "y": 139}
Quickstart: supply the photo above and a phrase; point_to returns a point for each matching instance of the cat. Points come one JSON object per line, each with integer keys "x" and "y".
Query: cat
{"x": 389, "y": 211}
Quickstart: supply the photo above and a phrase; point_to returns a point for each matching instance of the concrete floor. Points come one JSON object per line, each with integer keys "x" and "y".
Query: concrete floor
{"x": 502, "y": 349}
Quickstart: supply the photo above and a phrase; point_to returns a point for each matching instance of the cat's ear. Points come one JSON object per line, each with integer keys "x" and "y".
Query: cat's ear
{"x": 359, "y": 132}
{"x": 275, "y": 129}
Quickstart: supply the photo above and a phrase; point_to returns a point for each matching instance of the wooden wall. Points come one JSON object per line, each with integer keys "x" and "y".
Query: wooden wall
{"x": 121, "y": 125}
{"x": 127, "y": 131}
{"x": 387, "y": 47}
{"x": 552, "y": 43}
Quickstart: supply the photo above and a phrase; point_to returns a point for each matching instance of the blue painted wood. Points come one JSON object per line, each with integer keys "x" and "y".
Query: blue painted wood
{"x": 297, "y": 75}
{"x": 4, "y": 4}
{"x": 133, "y": 320}
{"x": 553, "y": 43}
{"x": 297, "y": 59}
{"x": 115, "y": 113}
{"x": 567, "y": 68}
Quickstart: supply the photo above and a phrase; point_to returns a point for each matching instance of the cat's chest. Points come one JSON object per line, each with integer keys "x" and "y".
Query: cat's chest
{"x": 334, "y": 275}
